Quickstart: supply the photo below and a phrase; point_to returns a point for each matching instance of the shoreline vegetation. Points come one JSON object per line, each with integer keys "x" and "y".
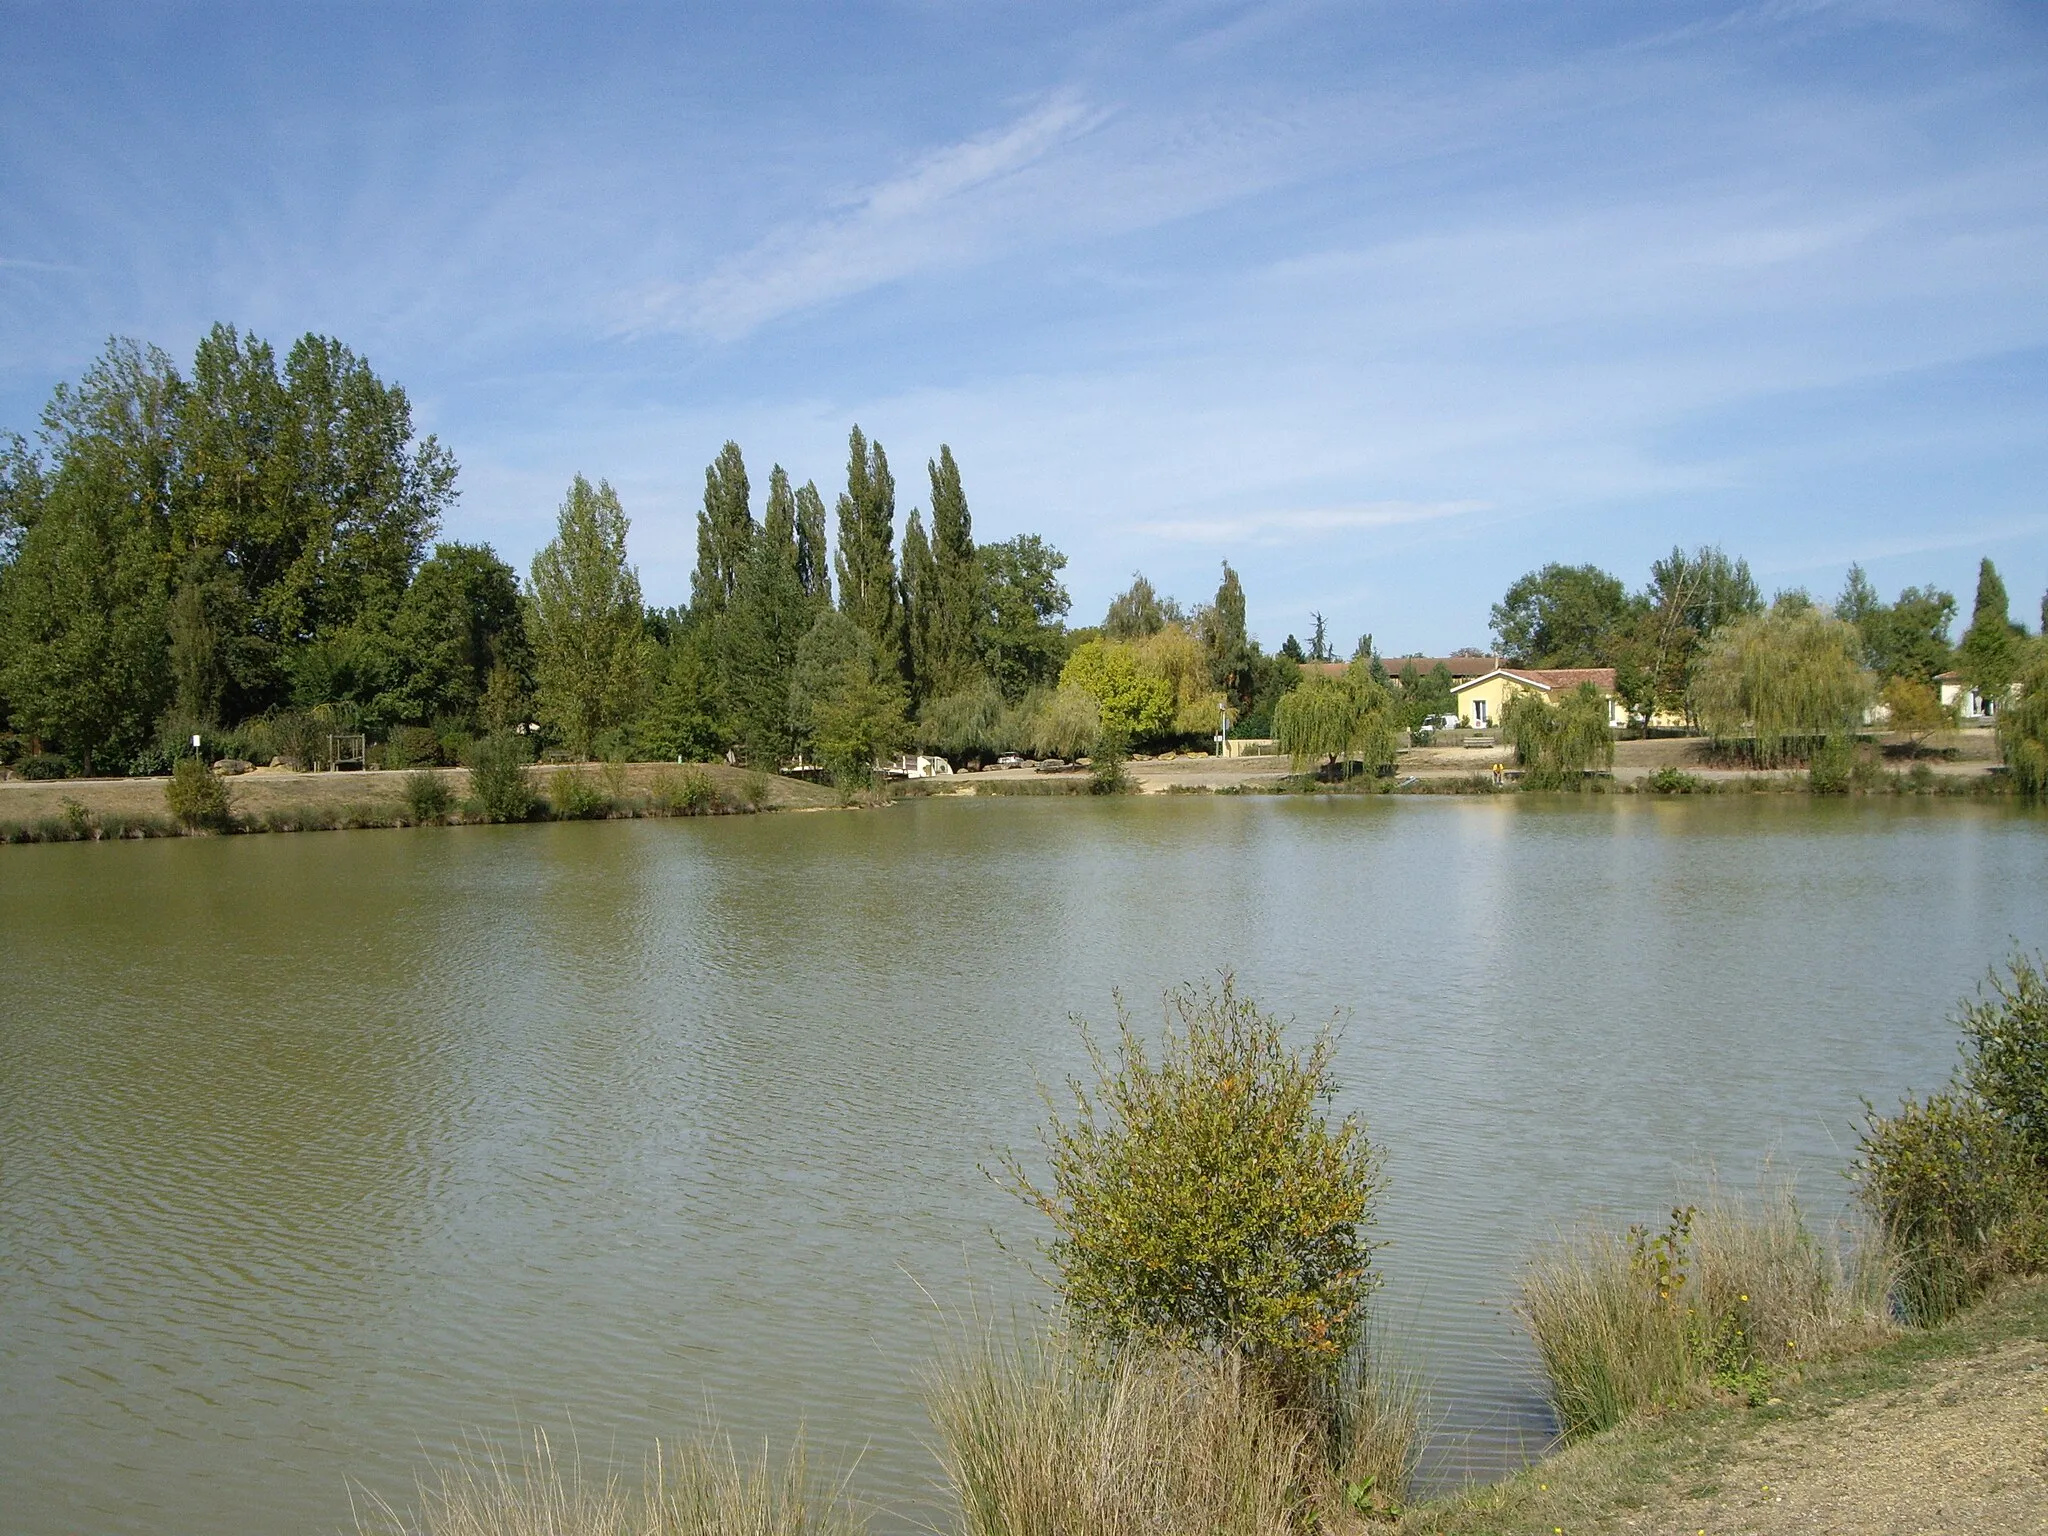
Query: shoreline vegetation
{"x": 1212, "y": 1367}
{"x": 240, "y": 563}
{"x": 102, "y": 809}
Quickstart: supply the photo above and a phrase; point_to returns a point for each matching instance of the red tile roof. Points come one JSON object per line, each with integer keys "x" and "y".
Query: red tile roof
{"x": 1549, "y": 678}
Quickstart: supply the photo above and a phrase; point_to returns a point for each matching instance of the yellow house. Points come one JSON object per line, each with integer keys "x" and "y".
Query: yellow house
{"x": 1481, "y": 700}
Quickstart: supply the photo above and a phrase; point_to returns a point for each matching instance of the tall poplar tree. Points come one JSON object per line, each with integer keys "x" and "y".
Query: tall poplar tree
{"x": 920, "y": 610}
{"x": 587, "y": 624}
{"x": 957, "y": 599}
{"x": 1225, "y": 639}
{"x": 813, "y": 559}
{"x": 725, "y": 534}
{"x": 769, "y": 615}
{"x": 866, "y": 559}
{"x": 1989, "y": 655}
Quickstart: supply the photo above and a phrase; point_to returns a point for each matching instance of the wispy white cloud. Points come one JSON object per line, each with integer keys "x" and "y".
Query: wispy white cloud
{"x": 1288, "y": 527}
{"x": 921, "y": 219}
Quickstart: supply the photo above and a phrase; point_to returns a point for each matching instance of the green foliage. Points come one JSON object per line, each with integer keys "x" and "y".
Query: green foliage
{"x": 845, "y": 704}
{"x": 2005, "y": 1051}
{"x": 681, "y": 720}
{"x": 427, "y": 797}
{"x": 2023, "y": 727}
{"x": 767, "y": 619}
{"x": 1914, "y": 709}
{"x": 967, "y": 725}
{"x": 1206, "y": 1201}
{"x": 1561, "y": 616}
{"x": 1957, "y": 1196}
{"x": 1022, "y": 641}
{"x": 1139, "y": 611}
{"x": 197, "y": 797}
{"x": 412, "y": 746}
{"x": 1781, "y": 677}
{"x": 460, "y": 619}
{"x": 1831, "y": 766}
{"x": 689, "y": 792}
{"x": 725, "y": 534}
{"x": 1133, "y": 703}
{"x": 498, "y": 784}
{"x": 1906, "y": 640}
{"x": 575, "y": 796}
{"x": 1224, "y": 639}
{"x": 1990, "y": 654}
{"x": 1674, "y": 781}
{"x": 1341, "y": 718}
{"x": 589, "y": 668}
{"x": 1558, "y": 744}
{"x": 1106, "y": 766}
{"x": 865, "y": 560}
{"x": 1066, "y": 724}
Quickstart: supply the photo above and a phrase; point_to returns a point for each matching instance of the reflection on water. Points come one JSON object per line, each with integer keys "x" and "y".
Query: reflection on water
{"x": 317, "y": 1151}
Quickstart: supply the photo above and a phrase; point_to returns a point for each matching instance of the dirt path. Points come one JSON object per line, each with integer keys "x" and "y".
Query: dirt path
{"x": 1964, "y": 1449}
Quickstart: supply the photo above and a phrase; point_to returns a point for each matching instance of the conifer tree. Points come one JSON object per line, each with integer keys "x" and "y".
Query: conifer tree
{"x": 956, "y": 599}
{"x": 866, "y": 559}
{"x": 1989, "y": 654}
{"x": 1224, "y": 637}
{"x": 813, "y": 560}
{"x": 725, "y": 534}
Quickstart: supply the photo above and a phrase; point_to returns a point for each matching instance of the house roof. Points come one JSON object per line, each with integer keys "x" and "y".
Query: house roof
{"x": 1548, "y": 678}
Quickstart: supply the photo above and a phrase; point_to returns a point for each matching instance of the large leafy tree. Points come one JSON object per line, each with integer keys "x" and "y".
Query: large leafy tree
{"x": 1022, "y": 640}
{"x": 460, "y": 619}
{"x": 847, "y": 704}
{"x": 1906, "y": 639}
{"x": 1340, "y": 718}
{"x": 920, "y": 607}
{"x": 585, "y": 621}
{"x": 1780, "y": 677}
{"x": 1138, "y": 611}
{"x": 84, "y": 648}
{"x": 866, "y": 558}
{"x": 1562, "y": 616}
{"x": 813, "y": 559}
{"x": 1135, "y": 704}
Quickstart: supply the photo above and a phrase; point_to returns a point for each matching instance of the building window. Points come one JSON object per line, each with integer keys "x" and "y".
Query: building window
{"x": 1479, "y": 711}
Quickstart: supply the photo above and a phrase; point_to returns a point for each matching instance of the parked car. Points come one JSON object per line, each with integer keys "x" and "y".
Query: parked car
{"x": 1009, "y": 760}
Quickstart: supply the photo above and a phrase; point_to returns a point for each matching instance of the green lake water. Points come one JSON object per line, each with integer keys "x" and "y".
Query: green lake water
{"x": 317, "y": 1152}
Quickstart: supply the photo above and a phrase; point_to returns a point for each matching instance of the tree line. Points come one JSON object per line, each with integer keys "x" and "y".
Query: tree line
{"x": 248, "y": 552}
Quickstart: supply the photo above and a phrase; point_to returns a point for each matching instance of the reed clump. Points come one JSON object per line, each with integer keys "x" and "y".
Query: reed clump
{"x": 1728, "y": 1298}
{"x": 701, "y": 1487}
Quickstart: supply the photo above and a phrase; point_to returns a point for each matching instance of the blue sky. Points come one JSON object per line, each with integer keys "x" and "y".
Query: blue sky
{"x": 1385, "y": 304}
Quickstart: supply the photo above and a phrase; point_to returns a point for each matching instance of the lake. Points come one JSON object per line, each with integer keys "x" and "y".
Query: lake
{"x": 319, "y": 1151}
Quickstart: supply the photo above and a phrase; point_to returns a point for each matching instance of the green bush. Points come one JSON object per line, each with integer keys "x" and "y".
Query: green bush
{"x": 1957, "y": 1197}
{"x": 755, "y": 790}
{"x": 412, "y": 746}
{"x": 2005, "y": 1052}
{"x": 1674, "y": 781}
{"x": 572, "y": 796}
{"x": 427, "y": 797}
{"x": 686, "y": 793}
{"x": 497, "y": 778}
{"x": 1206, "y": 1201}
{"x": 197, "y": 798}
{"x": 2023, "y": 728}
{"x": 1558, "y": 744}
{"x": 1106, "y": 775}
{"x": 44, "y": 765}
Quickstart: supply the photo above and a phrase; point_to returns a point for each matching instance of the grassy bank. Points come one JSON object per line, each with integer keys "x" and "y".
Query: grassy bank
{"x": 80, "y": 810}
{"x": 1941, "y": 1429}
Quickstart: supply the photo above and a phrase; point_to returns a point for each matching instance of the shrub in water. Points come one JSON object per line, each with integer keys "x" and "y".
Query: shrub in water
{"x": 1674, "y": 781}
{"x": 196, "y": 797}
{"x": 574, "y": 797}
{"x": 497, "y": 778}
{"x": 427, "y": 797}
{"x": 1206, "y": 1202}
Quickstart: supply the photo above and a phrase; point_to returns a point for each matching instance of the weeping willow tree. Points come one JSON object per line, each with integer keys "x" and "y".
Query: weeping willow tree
{"x": 1327, "y": 718}
{"x": 1558, "y": 744}
{"x": 2023, "y": 728}
{"x": 1784, "y": 679}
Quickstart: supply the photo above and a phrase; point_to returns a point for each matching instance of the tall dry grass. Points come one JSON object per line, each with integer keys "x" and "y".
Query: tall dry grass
{"x": 697, "y": 1488}
{"x": 1730, "y": 1296}
{"x": 1037, "y": 1441}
